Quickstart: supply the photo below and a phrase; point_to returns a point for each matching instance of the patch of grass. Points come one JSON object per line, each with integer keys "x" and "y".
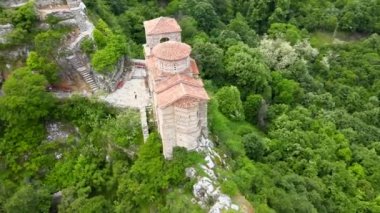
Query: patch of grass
{"x": 321, "y": 38}
{"x": 226, "y": 133}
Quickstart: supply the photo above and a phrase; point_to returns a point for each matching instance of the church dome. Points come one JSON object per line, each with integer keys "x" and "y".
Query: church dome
{"x": 171, "y": 51}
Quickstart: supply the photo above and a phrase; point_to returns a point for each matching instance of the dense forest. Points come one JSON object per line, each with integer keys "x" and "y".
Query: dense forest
{"x": 295, "y": 89}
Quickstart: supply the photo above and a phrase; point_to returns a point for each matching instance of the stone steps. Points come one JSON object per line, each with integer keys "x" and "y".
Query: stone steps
{"x": 83, "y": 70}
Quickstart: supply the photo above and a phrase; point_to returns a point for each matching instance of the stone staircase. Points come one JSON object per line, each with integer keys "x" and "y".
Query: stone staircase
{"x": 84, "y": 70}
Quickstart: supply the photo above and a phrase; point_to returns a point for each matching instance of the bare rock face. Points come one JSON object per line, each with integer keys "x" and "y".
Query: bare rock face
{"x": 12, "y": 3}
{"x": 206, "y": 192}
{"x": 47, "y": 3}
{"x": 62, "y": 15}
{"x": 4, "y": 31}
{"x": 56, "y": 131}
{"x": 68, "y": 23}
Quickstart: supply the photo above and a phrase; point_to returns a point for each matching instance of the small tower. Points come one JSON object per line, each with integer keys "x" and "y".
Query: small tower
{"x": 160, "y": 30}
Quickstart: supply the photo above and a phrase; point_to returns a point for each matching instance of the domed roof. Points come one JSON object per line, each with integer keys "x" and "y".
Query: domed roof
{"x": 171, "y": 51}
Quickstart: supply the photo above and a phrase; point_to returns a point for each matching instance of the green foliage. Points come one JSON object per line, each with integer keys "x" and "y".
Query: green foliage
{"x": 252, "y": 106}
{"x": 189, "y": 28}
{"x": 25, "y": 17}
{"x": 254, "y": 146}
{"x": 178, "y": 202}
{"x": 284, "y": 90}
{"x": 245, "y": 68}
{"x": 25, "y": 98}
{"x": 319, "y": 152}
{"x": 151, "y": 175}
{"x": 288, "y": 32}
{"x": 46, "y": 42}
{"x": 240, "y": 26}
{"x": 230, "y": 103}
{"x": 229, "y": 187}
{"x": 26, "y": 197}
{"x": 42, "y": 66}
{"x": 103, "y": 60}
{"x": 88, "y": 46}
{"x": 209, "y": 58}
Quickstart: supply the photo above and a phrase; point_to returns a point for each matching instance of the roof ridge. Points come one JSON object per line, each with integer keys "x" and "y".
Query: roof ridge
{"x": 158, "y": 21}
{"x": 181, "y": 80}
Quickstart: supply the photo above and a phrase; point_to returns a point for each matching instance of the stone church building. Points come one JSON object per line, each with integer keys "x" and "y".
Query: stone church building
{"x": 179, "y": 97}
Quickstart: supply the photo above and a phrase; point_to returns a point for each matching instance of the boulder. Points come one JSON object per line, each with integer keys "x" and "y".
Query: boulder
{"x": 190, "y": 172}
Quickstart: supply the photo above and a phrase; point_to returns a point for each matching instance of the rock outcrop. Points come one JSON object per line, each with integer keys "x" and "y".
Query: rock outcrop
{"x": 206, "y": 189}
{"x": 12, "y": 3}
{"x": 4, "y": 31}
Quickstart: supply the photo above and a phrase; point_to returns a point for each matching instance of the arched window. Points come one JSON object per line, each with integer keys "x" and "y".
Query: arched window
{"x": 164, "y": 39}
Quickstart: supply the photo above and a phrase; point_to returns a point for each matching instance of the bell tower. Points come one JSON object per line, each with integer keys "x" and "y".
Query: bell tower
{"x": 160, "y": 30}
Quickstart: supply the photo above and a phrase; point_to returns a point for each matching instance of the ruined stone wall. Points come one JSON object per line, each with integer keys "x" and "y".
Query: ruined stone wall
{"x": 173, "y": 66}
{"x": 153, "y": 40}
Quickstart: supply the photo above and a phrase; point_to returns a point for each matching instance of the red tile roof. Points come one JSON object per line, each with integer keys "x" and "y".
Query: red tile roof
{"x": 194, "y": 67}
{"x": 180, "y": 91}
{"x": 171, "y": 51}
{"x": 161, "y": 25}
{"x": 176, "y": 79}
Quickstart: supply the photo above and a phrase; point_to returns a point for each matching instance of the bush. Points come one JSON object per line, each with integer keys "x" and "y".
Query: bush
{"x": 229, "y": 103}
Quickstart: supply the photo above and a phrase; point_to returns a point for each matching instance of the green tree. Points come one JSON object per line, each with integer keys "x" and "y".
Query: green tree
{"x": 240, "y": 26}
{"x": 189, "y": 27}
{"x": 42, "y": 66}
{"x": 27, "y": 197}
{"x": 288, "y": 32}
{"x": 245, "y": 68}
{"x": 26, "y": 99}
{"x": 252, "y": 106}
{"x": 254, "y": 146}
{"x": 46, "y": 43}
{"x": 146, "y": 179}
{"x": 103, "y": 60}
{"x": 230, "y": 104}
{"x": 210, "y": 60}
{"x": 25, "y": 17}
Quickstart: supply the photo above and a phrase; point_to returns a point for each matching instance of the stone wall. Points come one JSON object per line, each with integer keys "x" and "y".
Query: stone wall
{"x": 187, "y": 126}
{"x": 166, "y": 125}
{"x": 153, "y": 40}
